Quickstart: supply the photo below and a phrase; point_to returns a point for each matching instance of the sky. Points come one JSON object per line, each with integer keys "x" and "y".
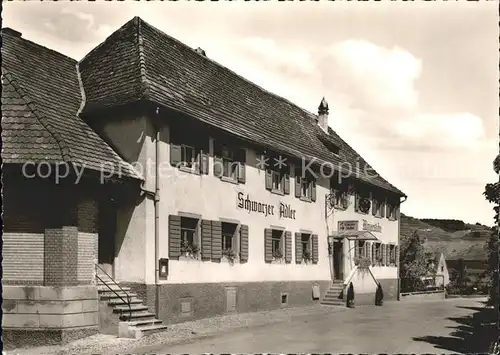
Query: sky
{"x": 411, "y": 86}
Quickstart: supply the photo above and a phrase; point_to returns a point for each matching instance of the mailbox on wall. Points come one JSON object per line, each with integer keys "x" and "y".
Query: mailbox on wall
{"x": 163, "y": 267}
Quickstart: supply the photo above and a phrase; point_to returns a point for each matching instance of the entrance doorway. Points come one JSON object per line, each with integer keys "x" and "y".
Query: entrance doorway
{"x": 107, "y": 231}
{"x": 338, "y": 264}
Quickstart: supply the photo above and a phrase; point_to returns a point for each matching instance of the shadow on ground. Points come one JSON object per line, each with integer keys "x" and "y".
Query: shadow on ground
{"x": 471, "y": 334}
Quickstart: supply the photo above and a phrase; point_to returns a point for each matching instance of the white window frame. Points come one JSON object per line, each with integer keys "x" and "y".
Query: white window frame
{"x": 196, "y": 230}
{"x": 193, "y": 165}
{"x": 229, "y": 163}
{"x": 274, "y": 232}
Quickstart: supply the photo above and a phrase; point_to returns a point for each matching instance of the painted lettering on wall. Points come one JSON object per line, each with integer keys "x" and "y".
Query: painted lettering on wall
{"x": 348, "y": 226}
{"x": 254, "y": 206}
{"x": 371, "y": 227}
{"x": 285, "y": 211}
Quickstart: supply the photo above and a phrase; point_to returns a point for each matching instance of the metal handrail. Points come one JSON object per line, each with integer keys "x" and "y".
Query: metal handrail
{"x": 121, "y": 289}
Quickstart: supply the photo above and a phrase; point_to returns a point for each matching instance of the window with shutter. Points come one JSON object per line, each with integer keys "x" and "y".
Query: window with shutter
{"x": 189, "y": 235}
{"x": 174, "y": 236}
{"x": 216, "y": 240}
{"x": 243, "y": 243}
{"x": 187, "y": 147}
{"x": 206, "y": 239}
{"x": 277, "y": 174}
{"x": 315, "y": 249}
{"x": 339, "y": 189}
{"x": 288, "y": 247}
{"x": 306, "y": 184}
{"x": 268, "y": 245}
{"x": 298, "y": 248}
{"x": 229, "y": 240}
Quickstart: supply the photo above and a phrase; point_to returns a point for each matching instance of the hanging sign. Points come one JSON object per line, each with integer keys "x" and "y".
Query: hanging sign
{"x": 348, "y": 226}
{"x": 371, "y": 227}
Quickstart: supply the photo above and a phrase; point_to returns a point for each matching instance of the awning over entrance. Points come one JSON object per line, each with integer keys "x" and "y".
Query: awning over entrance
{"x": 354, "y": 235}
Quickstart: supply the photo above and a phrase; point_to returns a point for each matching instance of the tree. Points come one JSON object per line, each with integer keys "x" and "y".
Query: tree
{"x": 413, "y": 261}
{"x": 492, "y": 194}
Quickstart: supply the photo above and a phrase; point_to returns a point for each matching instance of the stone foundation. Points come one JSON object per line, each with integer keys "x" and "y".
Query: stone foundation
{"x": 185, "y": 302}
{"x": 43, "y": 315}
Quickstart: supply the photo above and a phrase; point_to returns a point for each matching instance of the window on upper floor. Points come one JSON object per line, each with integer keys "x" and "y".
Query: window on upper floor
{"x": 229, "y": 161}
{"x": 392, "y": 210}
{"x": 305, "y": 185}
{"x": 189, "y": 149}
{"x": 378, "y": 205}
{"x": 339, "y": 191}
{"x": 277, "y": 174}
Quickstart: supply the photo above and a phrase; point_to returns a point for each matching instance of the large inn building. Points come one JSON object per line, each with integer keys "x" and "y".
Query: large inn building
{"x": 148, "y": 184}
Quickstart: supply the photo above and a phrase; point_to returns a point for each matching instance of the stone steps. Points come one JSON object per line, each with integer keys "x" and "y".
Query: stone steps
{"x": 333, "y": 297}
{"x": 135, "y": 321}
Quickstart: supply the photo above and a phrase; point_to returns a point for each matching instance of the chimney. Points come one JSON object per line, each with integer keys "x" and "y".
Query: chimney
{"x": 10, "y": 31}
{"x": 323, "y": 115}
{"x": 200, "y": 51}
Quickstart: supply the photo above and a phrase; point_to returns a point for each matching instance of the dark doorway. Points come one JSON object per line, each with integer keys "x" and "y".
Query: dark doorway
{"x": 107, "y": 231}
{"x": 338, "y": 265}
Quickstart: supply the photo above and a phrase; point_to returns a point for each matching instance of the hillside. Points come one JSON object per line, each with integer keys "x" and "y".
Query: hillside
{"x": 447, "y": 237}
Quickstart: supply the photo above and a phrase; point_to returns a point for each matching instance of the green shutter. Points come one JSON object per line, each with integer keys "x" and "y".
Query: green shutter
{"x": 204, "y": 163}
{"x": 315, "y": 255}
{"x": 269, "y": 180}
{"x": 384, "y": 254}
{"x": 286, "y": 181}
{"x": 374, "y": 203}
{"x": 356, "y": 249}
{"x": 175, "y": 154}
{"x": 298, "y": 248}
{"x": 396, "y": 251}
{"x": 174, "y": 236}
{"x": 382, "y": 209}
{"x": 217, "y": 166}
{"x": 268, "y": 245}
{"x": 206, "y": 239}
{"x": 242, "y": 166}
{"x": 368, "y": 251}
{"x": 216, "y": 240}
{"x": 243, "y": 243}
{"x": 297, "y": 183}
{"x": 374, "y": 254}
{"x": 397, "y": 213}
{"x": 288, "y": 247}
{"x": 313, "y": 190}
{"x": 356, "y": 201}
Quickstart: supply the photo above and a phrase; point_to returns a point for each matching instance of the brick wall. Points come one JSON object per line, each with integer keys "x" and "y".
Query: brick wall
{"x": 23, "y": 258}
{"x": 87, "y": 216}
{"x": 61, "y": 256}
{"x": 87, "y": 257}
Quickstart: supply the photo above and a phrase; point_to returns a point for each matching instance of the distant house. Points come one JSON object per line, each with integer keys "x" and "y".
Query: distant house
{"x": 439, "y": 270}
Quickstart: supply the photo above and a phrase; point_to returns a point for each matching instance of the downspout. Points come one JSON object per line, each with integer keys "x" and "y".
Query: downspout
{"x": 399, "y": 248}
{"x": 157, "y": 215}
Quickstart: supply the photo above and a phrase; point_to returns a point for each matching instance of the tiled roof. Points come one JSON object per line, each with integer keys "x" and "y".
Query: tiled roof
{"x": 139, "y": 62}
{"x": 41, "y": 98}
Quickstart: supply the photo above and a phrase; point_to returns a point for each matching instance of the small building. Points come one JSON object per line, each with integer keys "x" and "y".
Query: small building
{"x": 148, "y": 170}
{"x": 439, "y": 270}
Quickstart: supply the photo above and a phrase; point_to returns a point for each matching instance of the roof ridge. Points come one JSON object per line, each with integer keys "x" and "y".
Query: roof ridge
{"x": 142, "y": 57}
{"x": 37, "y": 44}
{"x": 65, "y": 150}
{"x": 303, "y": 110}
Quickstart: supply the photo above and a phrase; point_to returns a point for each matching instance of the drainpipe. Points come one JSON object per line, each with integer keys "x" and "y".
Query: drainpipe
{"x": 157, "y": 215}
{"x": 399, "y": 247}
